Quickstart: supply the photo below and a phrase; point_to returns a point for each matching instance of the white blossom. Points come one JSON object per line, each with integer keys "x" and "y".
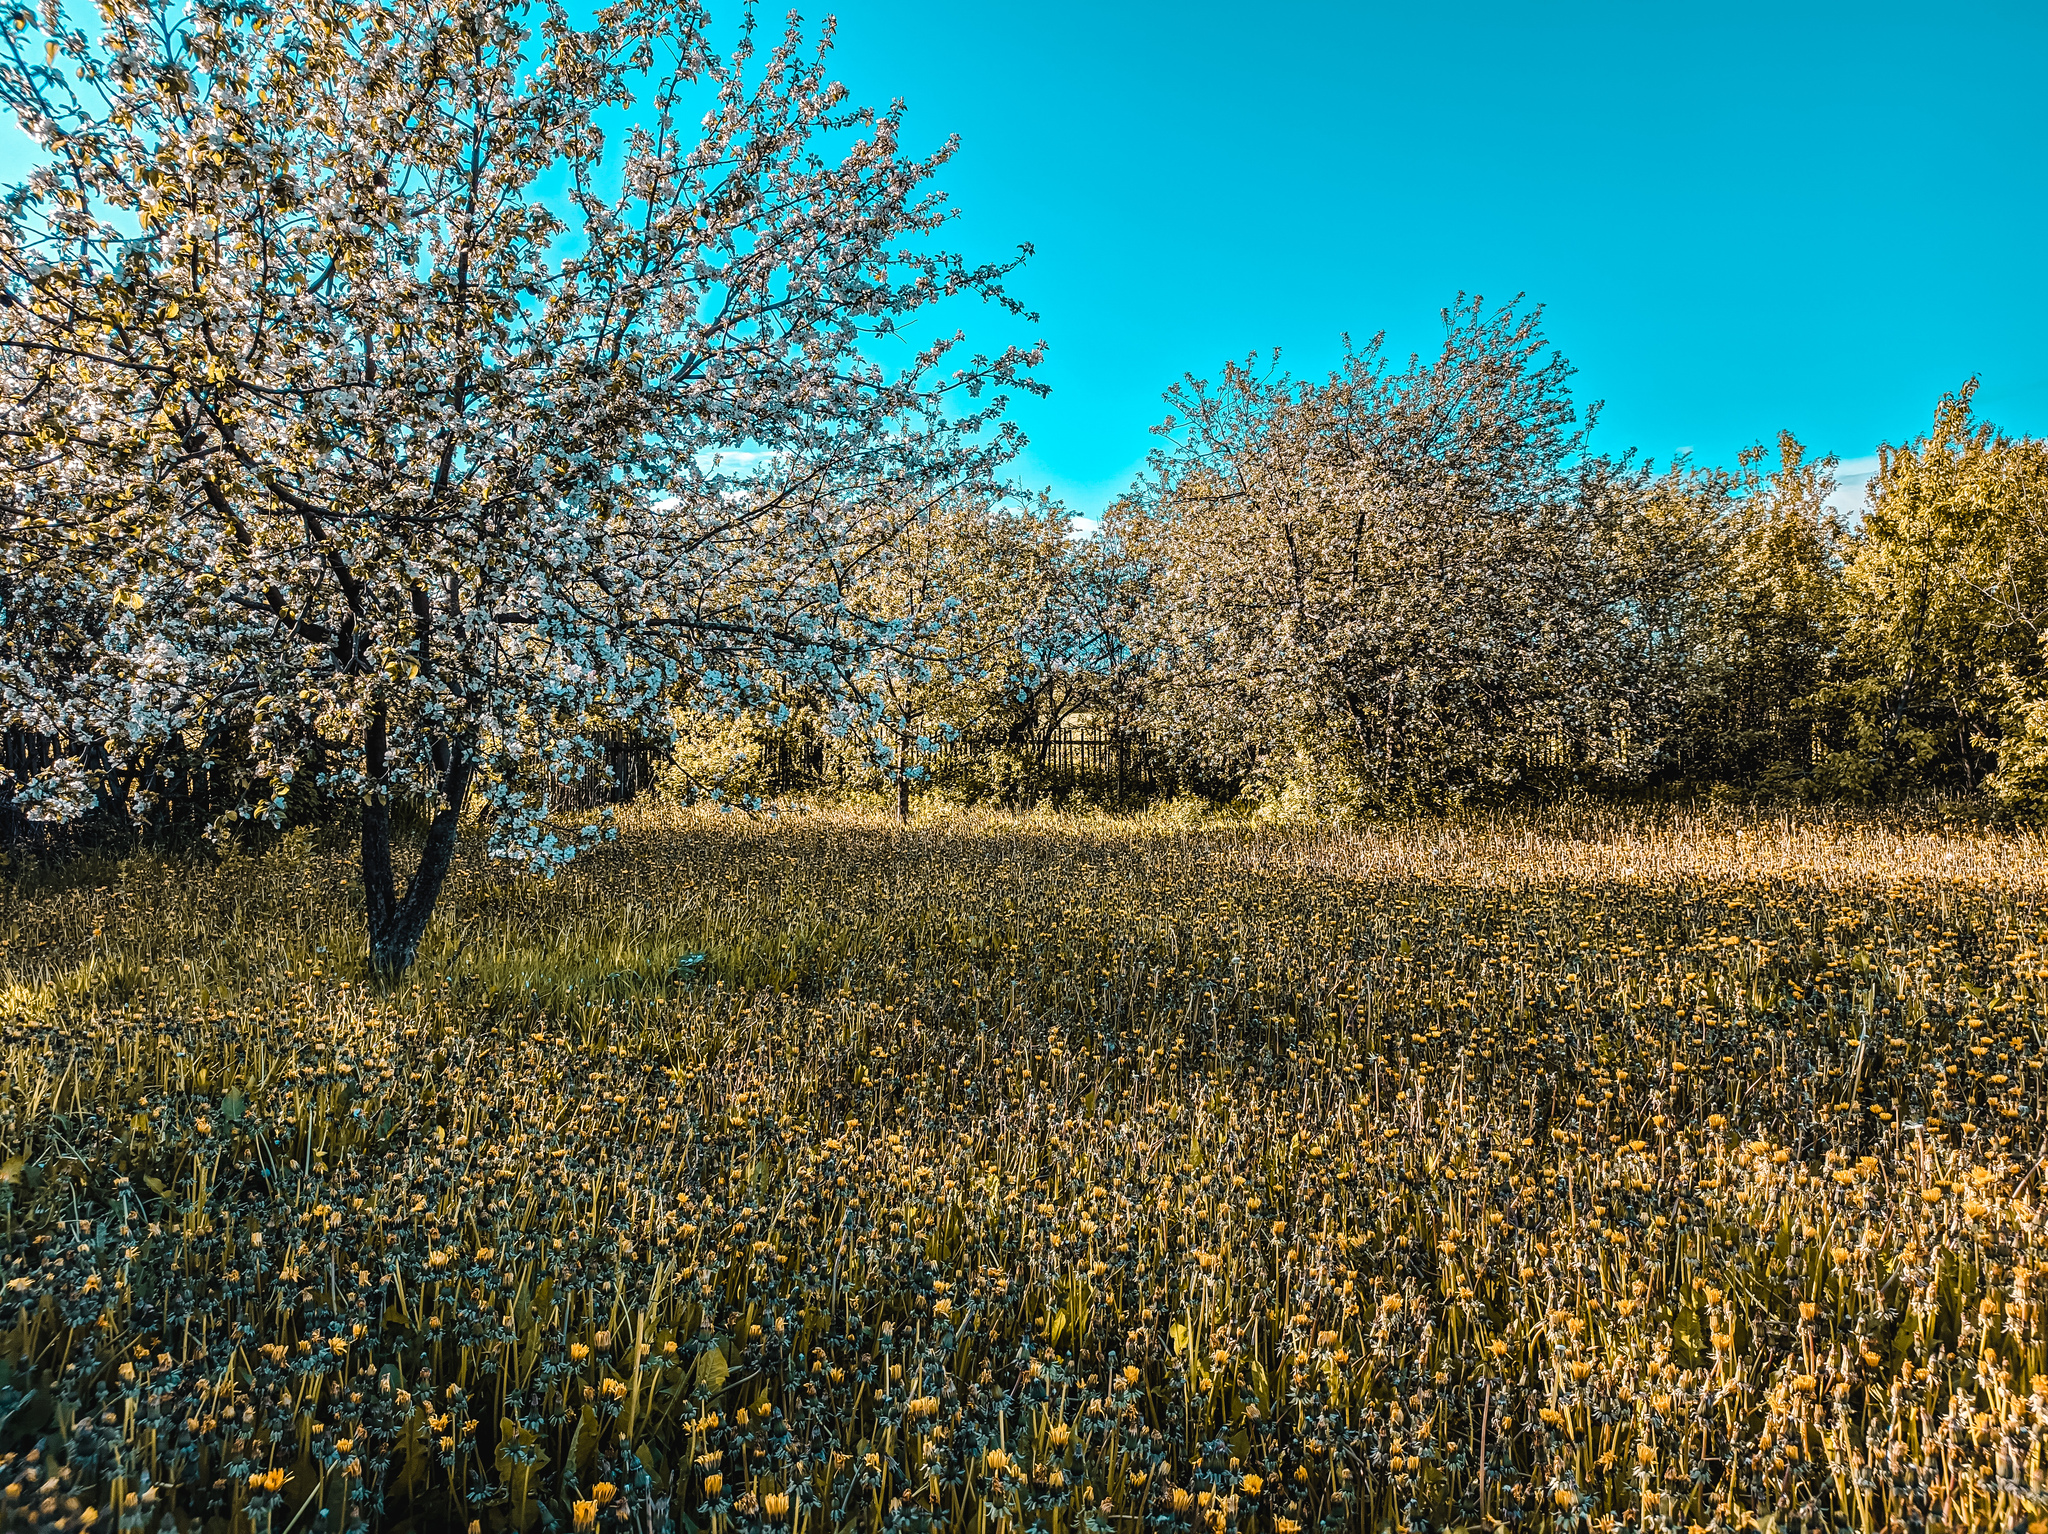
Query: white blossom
{"x": 367, "y": 449}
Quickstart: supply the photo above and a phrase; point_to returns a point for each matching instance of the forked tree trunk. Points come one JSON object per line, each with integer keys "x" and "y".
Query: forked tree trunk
{"x": 398, "y": 923}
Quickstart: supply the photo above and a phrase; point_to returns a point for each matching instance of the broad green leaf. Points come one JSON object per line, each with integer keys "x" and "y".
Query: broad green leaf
{"x": 583, "y": 1446}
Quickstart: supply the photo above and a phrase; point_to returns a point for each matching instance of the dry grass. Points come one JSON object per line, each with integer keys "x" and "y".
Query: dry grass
{"x": 996, "y": 1177}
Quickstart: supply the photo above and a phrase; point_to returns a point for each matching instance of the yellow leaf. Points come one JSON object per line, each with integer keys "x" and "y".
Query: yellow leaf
{"x": 712, "y": 1369}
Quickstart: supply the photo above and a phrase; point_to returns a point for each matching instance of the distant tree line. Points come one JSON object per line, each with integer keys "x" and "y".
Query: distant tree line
{"x": 1405, "y": 587}
{"x": 384, "y": 444}
{"x": 1413, "y": 586}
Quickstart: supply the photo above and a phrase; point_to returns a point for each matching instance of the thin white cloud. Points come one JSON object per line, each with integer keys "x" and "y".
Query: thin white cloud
{"x": 1086, "y": 498}
{"x": 731, "y": 460}
{"x": 1852, "y": 475}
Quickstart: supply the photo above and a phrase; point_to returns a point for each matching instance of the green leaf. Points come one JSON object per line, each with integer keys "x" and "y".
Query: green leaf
{"x": 234, "y": 1105}
{"x": 27, "y": 1421}
{"x": 583, "y": 1446}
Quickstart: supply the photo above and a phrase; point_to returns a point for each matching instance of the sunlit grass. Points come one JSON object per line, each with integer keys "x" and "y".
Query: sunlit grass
{"x": 1004, "y": 1175}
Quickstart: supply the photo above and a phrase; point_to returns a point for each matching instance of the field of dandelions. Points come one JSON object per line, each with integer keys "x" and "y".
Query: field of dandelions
{"x": 998, "y": 1177}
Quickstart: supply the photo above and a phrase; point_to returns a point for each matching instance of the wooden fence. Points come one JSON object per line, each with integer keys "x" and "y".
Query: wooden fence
{"x": 1061, "y": 760}
{"x": 1556, "y": 749}
{"x": 181, "y": 794}
{"x": 632, "y": 763}
{"x": 184, "y": 794}
{"x": 1065, "y": 751}
{"x": 176, "y": 789}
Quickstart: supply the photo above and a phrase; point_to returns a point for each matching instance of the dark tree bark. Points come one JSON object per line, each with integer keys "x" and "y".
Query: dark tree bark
{"x": 397, "y": 923}
{"x": 903, "y": 777}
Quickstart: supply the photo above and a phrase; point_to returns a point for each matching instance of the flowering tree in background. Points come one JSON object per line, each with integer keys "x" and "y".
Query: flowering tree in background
{"x": 1007, "y": 626}
{"x": 325, "y": 433}
{"x": 1400, "y": 575}
{"x": 1765, "y": 599}
{"x": 937, "y": 638}
{"x": 1071, "y": 653}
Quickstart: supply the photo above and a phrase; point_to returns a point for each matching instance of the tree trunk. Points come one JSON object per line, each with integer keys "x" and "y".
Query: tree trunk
{"x": 397, "y": 924}
{"x": 902, "y": 777}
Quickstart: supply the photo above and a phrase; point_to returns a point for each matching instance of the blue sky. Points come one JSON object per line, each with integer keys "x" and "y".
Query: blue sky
{"x": 1739, "y": 217}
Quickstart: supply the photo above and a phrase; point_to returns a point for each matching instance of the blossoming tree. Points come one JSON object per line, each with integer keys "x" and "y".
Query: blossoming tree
{"x": 1009, "y": 626}
{"x": 1400, "y": 576}
{"x": 369, "y": 400}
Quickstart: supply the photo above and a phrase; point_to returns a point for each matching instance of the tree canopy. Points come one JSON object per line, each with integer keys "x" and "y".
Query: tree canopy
{"x": 364, "y": 399}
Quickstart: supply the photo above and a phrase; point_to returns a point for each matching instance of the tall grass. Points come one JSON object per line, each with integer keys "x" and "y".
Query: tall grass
{"x": 997, "y": 1176}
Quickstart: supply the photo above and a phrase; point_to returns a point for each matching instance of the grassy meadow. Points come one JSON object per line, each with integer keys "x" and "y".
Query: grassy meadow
{"x": 999, "y": 1176}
